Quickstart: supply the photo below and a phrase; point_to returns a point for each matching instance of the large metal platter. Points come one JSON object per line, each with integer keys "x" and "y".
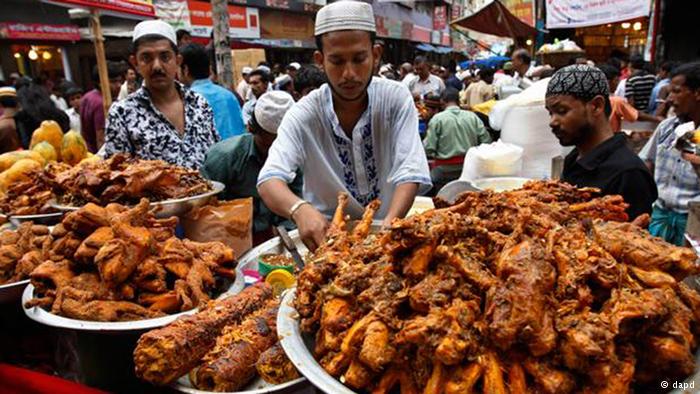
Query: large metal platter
{"x": 297, "y": 347}
{"x": 11, "y": 292}
{"x": 168, "y": 208}
{"x": 249, "y": 261}
{"x": 44, "y": 317}
{"x": 42, "y": 218}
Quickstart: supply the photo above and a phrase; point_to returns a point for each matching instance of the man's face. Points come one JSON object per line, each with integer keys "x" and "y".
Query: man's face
{"x": 683, "y": 99}
{"x": 263, "y": 141}
{"x": 131, "y": 75}
{"x": 74, "y": 101}
{"x": 569, "y": 119}
{"x": 157, "y": 63}
{"x": 349, "y": 60}
{"x": 517, "y": 62}
{"x": 257, "y": 85}
{"x": 292, "y": 72}
{"x": 186, "y": 39}
{"x": 115, "y": 84}
{"x": 422, "y": 69}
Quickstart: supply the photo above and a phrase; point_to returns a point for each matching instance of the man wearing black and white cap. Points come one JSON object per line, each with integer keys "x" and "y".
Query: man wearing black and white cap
{"x": 578, "y": 102}
{"x": 237, "y": 161}
{"x": 162, "y": 120}
{"x": 356, "y": 134}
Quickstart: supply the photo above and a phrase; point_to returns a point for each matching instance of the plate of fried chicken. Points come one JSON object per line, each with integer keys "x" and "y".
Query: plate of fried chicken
{"x": 231, "y": 346}
{"x": 119, "y": 268}
{"x": 124, "y": 179}
{"x": 547, "y": 288}
{"x": 20, "y": 253}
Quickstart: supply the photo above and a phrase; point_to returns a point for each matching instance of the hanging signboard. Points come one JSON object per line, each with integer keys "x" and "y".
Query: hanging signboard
{"x": 129, "y": 7}
{"x": 244, "y": 22}
{"x": 579, "y": 13}
{"x": 175, "y": 12}
{"x": 440, "y": 17}
{"x": 39, "y": 31}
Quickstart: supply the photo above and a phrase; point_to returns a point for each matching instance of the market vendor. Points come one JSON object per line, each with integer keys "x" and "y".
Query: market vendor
{"x": 578, "y": 102}
{"x": 237, "y": 161}
{"x": 162, "y": 120}
{"x": 356, "y": 134}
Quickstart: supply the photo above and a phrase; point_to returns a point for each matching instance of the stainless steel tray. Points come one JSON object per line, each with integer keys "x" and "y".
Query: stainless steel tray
{"x": 168, "y": 208}
{"x": 41, "y": 218}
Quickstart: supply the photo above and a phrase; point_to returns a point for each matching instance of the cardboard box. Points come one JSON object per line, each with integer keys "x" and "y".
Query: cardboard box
{"x": 245, "y": 58}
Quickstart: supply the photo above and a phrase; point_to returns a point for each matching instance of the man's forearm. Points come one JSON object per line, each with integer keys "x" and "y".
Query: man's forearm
{"x": 278, "y": 197}
{"x": 402, "y": 201}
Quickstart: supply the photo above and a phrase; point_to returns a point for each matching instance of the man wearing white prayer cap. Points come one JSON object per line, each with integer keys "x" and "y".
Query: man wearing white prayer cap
{"x": 356, "y": 134}
{"x": 162, "y": 120}
{"x": 243, "y": 88}
{"x": 236, "y": 162}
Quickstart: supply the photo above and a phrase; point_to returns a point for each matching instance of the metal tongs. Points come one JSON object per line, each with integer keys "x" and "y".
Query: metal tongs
{"x": 290, "y": 246}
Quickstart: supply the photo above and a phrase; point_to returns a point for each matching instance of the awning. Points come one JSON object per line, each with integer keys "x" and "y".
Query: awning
{"x": 495, "y": 19}
{"x": 425, "y": 47}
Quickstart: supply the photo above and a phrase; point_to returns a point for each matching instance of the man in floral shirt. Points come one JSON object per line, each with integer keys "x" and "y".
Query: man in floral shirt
{"x": 162, "y": 120}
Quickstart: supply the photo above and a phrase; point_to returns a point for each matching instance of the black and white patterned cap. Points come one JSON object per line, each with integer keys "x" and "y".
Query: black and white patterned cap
{"x": 579, "y": 80}
{"x": 345, "y": 15}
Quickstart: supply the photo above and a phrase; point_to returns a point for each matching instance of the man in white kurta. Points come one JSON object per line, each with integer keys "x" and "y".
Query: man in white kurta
{"x": 385, "y": 149}
{"x": 356, "y": 134}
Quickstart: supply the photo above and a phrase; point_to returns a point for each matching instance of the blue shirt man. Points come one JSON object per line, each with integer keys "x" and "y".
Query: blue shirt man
{"x": 195, "y": 73}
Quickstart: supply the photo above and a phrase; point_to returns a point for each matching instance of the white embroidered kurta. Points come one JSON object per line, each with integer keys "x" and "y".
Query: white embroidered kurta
{"x": 385, "y": 149}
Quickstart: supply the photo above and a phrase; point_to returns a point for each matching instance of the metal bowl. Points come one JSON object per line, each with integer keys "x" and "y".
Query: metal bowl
{"x": 47, "y": 219}
{"x": 168, "y": 208}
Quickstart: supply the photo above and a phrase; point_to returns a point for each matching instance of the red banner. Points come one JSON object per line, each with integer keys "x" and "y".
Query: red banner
{"x": 440, "y": 17}
{"x": 39, "y": 31}
{"x": 132, "y": 7}
{"x": 243, "y": 21}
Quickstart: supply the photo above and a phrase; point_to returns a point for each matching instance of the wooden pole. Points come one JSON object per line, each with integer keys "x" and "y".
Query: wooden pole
{"x": 101, "y": 60}
{"x": 222, "y": 43}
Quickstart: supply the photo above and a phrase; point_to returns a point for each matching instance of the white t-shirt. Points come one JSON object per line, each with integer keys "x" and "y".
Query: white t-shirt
{"x": 74, "y": 117}
{"x": 433, "y": 84}
{"x": 385, "y": 149}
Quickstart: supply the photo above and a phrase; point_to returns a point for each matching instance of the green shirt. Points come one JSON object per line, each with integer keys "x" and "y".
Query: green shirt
{"x": 452, "y": 132}
{"x": 236, "y": 162}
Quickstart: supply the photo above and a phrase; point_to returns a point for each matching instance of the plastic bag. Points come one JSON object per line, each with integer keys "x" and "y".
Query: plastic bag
{"x": 495, "y": 159}
{"x": 230, "y": 222}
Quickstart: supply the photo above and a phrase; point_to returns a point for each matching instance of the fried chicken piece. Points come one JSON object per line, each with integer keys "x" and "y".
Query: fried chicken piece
{"x": 165, "y": 302}
{"x": 26, "y": 265}
{"x": 87, "y": 219}
{"x": 493, "y": 374}
{"x": 337, "y": 315}
{"x": 230, "y": 365}
{"x": 9, "y": 255}
{"x": 548, "y": 378}
{"x": 463, "y": 379}
{"x": 91, "y": 245}
{"x": 635, "y": 246}
{"x": 274, "y": 367}
{"x": 106, "y": 310}
{"x": 357, "y": 375}
{"x": 436, "y": 383}
{"x": 163, "y": 355}
{"x": 377, "y": 351}
{"x": 517, "y": 308}
{"x": 200, "y": 279}
{"x": 150, "y": 276}
{"x": 51, "y": 275}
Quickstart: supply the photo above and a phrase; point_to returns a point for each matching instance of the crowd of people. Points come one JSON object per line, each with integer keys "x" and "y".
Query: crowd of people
{"x": 293, "y": 137}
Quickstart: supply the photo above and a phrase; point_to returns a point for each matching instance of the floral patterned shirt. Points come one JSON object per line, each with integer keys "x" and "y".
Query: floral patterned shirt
{"x": 136, "y": 126}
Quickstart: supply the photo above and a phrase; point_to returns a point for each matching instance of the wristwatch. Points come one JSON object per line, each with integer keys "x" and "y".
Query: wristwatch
{"x": 295, "y": 208}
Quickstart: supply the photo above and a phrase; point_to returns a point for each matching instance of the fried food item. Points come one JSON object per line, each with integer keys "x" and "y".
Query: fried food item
{"x": 163, "y": 355}
{"x": 31, "y": 194}
{"x": 540, "y": 289}
{"x": 21, "y": 251}
{"x": 127, "y": 251}
{"x": 274, "y": 366}
{"x": 230, "y": 365}
{"x": 125, "y": 180}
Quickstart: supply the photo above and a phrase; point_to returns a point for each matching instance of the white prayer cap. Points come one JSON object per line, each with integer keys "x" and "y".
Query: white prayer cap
{"x": 8, "y": 91}
{"x": 295, "y": 65}
{"x": 155, "y": 27}
{"x": 282, "y": 79}
{"x": 270, "y": 109}
{"x": 345, "y": 15}
{"x": 246, "y": 70}
{"x": 266, "y": 69}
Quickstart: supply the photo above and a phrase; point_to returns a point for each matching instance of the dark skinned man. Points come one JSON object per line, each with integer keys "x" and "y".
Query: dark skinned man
{"x": 578, "y": 103}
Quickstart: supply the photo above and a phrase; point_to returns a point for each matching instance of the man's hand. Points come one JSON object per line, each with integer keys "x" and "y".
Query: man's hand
{"x": 692, "y": 158}
{"x": 312, "y": 226}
